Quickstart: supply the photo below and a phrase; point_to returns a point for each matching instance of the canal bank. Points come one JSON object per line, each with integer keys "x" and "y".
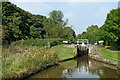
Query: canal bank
{"x": 88, "y": 61}
{"x": 65, "y": 52}
{"x": 96, "y": 55}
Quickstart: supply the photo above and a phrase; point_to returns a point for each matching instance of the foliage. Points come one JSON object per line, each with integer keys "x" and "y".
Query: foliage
{"x": 14, "y": 20}
{"x": 0, "y": 13}
{"x": 55, "y": 26}
{"x": 38, "y": 42}
{"x": 69, "y": 33}
{"x": 56, "y": 16}
{"x": 111, "y": 27}
{"x": 19, "y": 24}
{"x": 52, "y": 30}
{"x": 22, "y": 61}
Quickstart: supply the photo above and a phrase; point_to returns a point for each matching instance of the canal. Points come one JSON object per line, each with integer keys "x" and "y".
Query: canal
{"x": 81, "y": 67}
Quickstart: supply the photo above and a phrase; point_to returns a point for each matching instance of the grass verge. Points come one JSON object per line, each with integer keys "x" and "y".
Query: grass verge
{"x": 110, "y": 54}
{"x": 63, "y": 52}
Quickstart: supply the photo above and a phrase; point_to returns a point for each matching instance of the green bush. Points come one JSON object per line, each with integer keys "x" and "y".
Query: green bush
{"x": 38, "y": 42}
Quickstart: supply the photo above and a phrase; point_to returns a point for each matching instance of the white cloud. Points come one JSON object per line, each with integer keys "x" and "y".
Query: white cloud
{"x": 66, "y": 0}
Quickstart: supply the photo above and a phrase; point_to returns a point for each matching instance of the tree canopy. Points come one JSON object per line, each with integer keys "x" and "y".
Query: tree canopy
{"x": 19, "y": 24}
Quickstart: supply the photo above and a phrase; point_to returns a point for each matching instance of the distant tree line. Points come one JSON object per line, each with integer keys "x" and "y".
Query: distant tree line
{"x": 19, "y": 24}
{"x": 109, "y": 31}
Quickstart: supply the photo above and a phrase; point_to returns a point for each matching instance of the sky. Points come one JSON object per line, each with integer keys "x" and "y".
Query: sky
{"x": 80, "y": 13}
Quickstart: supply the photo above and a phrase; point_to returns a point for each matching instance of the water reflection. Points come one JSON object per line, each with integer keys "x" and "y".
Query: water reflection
{"x": 79, "y": 68}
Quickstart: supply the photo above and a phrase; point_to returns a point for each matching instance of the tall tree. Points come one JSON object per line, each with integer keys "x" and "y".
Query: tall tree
{"x": 69, "y": 33}
{"x": 17, "y": 23}
{"x": 112, "y": 27}
{"x": 57, "y": 17}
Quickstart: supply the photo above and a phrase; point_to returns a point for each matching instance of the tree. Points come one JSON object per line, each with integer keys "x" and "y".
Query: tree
{"x": 84, "y": 35}
{"x": 79, "y": 36}
{"x": 90, "y": 33}
{"x": 17, "y": 23}
{"x": 112, "y": 27}
{"x": 57, "y": 17}
{"x": 0, "y": 13}
{"x": 69, "y": 33}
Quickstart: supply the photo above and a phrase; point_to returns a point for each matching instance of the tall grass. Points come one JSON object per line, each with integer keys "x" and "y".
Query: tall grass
{"x": 22, "y": 60}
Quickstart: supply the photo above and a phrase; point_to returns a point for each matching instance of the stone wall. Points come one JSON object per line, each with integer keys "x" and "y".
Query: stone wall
{"x": 94, "y": 54}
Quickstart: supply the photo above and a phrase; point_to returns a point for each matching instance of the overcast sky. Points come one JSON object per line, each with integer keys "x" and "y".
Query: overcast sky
{"x": 80, "y": 13}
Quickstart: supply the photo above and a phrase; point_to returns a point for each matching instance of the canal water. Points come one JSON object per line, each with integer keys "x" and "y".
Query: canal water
{"x": 81, "y": 67}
